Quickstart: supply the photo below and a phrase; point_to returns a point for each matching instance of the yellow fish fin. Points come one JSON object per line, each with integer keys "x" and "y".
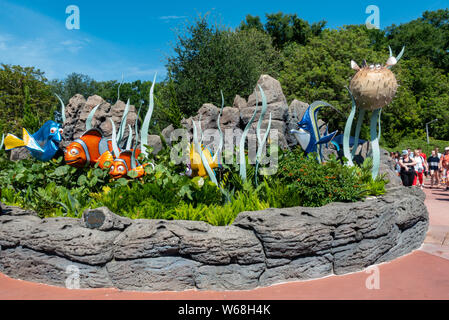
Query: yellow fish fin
{"x": 30, "y": 142}
{"x": 11, "y": 142}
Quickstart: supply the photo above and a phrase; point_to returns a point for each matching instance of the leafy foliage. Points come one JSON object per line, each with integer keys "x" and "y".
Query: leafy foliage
{"x": 208, "y": 59}
{"x": 53, "y": 189}
{"x": 25, "y": 99}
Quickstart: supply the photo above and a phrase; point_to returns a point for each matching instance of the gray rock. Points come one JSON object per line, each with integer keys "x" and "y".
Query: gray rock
{"x": 155, "y": 142}
{"x": 409, "y": 240}
{"x": 16, "y": 211}
{"x": 66, "y": 238}
{"x": 166, "y": 133}
{"x": 259, "y": 249}
{"x": 239, "y": 102}
{"x": 198, "y": 241}
{"x": 359, "y": 255}
{"x": 299, "y": 269}
{"x": 22, "y": 263}
{"x": 13, "y": 229}
{"x": 221, "y": 245}
{"x": 18, "y": 154}
{"x": 104, "y": 219}
{"x": 230, "y": 118}
{"x": 278, "y": 112}
{"x": 230, "y": 277}
{"x": 272, "y": 89}
{"x": 288, "y": 233}
{"x": 144, "y": 239}
{"x": 78, "y": 109}
{"x": 153, "y": 274}
{"x": 296, "y": 111}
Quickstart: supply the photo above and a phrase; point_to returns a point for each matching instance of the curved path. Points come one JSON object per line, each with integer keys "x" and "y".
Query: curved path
{"x": 423, "y": 274}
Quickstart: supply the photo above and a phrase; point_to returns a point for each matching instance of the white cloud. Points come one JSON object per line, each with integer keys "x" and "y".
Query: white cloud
{"x": 172, "y": 17}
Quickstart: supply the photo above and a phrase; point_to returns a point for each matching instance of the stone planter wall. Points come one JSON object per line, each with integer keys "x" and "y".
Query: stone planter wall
{"x": 259, "y": 249}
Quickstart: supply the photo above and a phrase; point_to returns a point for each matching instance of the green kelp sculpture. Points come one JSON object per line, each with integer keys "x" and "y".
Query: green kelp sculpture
{"x": 372, "y": 88}
{"x": 261, "y": 141}
{"x": 1, "y": 141}
{"x": 201, "y": 159}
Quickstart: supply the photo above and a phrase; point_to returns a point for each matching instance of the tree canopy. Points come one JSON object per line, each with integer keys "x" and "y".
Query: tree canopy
{"x": 311, "y": 62}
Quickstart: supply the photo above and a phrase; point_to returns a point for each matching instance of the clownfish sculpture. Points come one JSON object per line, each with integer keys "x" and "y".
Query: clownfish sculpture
{"x": 43, "y": 145}
{"x": 90, "y": 148}
{"x": 123, "y": 165}
{"x": 196, "y": 167}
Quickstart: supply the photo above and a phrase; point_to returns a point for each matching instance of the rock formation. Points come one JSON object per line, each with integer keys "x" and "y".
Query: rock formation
{"x": 258, "y": 249}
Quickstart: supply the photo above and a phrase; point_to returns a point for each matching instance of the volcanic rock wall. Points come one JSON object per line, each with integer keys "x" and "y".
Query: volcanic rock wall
{"x": 258, "y": 249}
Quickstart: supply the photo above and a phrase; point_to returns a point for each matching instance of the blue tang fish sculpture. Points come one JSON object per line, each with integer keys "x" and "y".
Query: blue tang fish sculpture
{"x": 308, "y": 135}
{"x": 42, "y": 145}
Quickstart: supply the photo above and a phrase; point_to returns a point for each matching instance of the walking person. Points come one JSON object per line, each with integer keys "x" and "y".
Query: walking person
{"x": 407, "y": 169}
{"x": 434, "y": 162}
{"x": 444, "y": 162}
{"x": 440, "y": 170}
{"x": 420, "y": 167}
{"x": 397, "y": 167}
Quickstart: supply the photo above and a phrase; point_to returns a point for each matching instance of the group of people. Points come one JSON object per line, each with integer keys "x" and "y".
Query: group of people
{"x": 412, "y": 166}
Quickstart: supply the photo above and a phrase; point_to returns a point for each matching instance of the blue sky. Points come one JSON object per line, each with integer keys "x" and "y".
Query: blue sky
{"x": 133, "y": 38}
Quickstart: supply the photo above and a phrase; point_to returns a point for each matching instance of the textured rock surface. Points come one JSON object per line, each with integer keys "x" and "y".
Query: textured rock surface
{"x": 258, "y": 249}
{"x": 78, "y": 109}
{"x": 19, "y": 154}
{"x": 237, "y": 116}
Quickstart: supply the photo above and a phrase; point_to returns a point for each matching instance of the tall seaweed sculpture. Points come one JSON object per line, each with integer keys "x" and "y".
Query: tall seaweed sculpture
{"x": 261, "y": 141}
{"x": 62, "y": 108}
{"x": 136, "y": 128}
{"x": 220, "y": 145}
{"x": 372, "y": 88}
{"x": 121, "y": 130}
{"x": 146, "y": 122}
{"x": 90, "y": 118}
{"x": 242, "y": 143}
{"x": 198, "y": 148}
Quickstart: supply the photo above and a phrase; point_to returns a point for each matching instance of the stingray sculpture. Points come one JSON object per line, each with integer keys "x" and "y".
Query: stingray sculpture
{"x": 372, "y": 88}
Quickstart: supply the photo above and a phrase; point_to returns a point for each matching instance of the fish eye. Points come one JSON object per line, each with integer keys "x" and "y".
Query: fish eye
{"x": 61, "y": 131}
{"x": 112, "y": 168}
{"x": 121, "y": 169}
{"x": 74, "y": 152}
{"x": 53, "y": 130}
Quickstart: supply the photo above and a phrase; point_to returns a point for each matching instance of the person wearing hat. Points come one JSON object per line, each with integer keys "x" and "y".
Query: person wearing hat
{"x": 407, "y": 165}
{"x": 444, "y": 162}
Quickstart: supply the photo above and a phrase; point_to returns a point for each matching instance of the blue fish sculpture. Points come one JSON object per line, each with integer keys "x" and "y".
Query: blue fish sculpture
{"x": 42, "y": 145}
{"x": 308, "y": 133}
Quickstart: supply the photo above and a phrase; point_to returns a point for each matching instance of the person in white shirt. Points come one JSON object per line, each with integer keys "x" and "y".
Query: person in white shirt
{"x": 420, "y": 167}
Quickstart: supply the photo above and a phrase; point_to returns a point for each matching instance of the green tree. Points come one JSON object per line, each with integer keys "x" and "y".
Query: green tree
{"x": 321, "y": 70}
{"x": 74, "y": 83}
{"x": 284, "y": 28}
{"x": 251, "y": 22}
{"x": 427, "y": 36}
{"x": 24, "y": 90}
{"x": 209, "y": 58}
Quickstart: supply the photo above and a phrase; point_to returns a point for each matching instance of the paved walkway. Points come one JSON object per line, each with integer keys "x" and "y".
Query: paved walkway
{"x": 423, "y": 274}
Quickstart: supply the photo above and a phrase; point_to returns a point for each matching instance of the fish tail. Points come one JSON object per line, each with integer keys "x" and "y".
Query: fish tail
{"x": 30, "y": 142}
{"x": 12, "y": 142}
